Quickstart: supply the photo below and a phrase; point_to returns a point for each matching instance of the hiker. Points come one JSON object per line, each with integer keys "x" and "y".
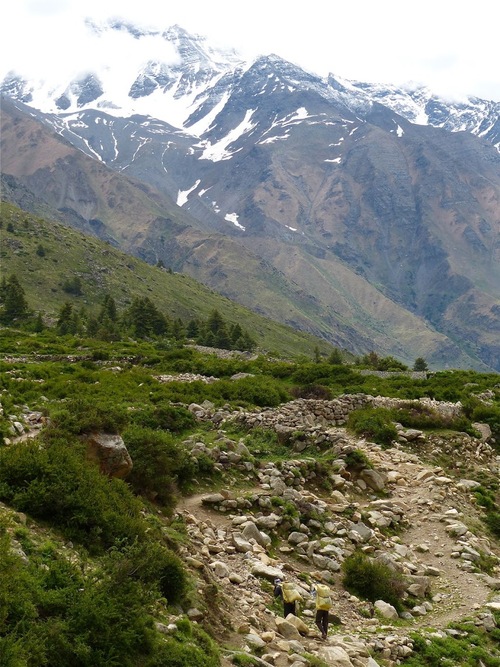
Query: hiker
{"x": 323, "y": 606}
{"x": 289, "y": 594}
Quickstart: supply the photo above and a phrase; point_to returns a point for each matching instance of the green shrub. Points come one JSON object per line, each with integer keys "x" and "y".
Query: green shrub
{"x": 55, "y": 615}
{"x": 372, "y": 580}
{"x": 160, "y": 465}
{"x": 55, "y": 483}
{"x": 16, "y": 590}
{"x": 288, "y": 508}
{"x": 172, "y": 578}
{"x": 260, "y": 440}
{"x": 84, "y": 415}
{"x": 205, "y": 466}
{"x": 196, "y": 649}
{"x": 492, "y": 520}
{"x": 175, "y": 418}
{"x": 489, "y": 414}
{"x": 184, "y": 627}
{"x": 317, "y": 391}
{"x": 418, "y": 415}
{"x": 357, "y": 460}
{"x": 373, "y": 423}
{"x": 100, "y": 355}
{"x": 324, "y": 373}
{"x": 153, "y": 564}
{"x": 471, "y": 649}
{"x": 485, "y": 498}
{"x": 260, "y": 391}
{"x": 244, "y": 660}
{"x": 423, "y": 416}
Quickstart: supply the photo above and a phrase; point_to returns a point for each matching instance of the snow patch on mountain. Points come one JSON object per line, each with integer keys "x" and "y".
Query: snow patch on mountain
{"x": 278, "y": 137}
{"x": 233, "y": 217}
{"x": 218, "y": 151}
{"x": 182, "y": 195}
{"x": 203, "y": 125}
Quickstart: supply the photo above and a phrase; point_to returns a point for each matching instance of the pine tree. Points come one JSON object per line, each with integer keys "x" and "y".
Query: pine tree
{"x": 420, "y": 364}
{"x": 178, "y": 331}
{"x": 15, "y": 306}
{"x": 108, "y": 309}
{"x": 222, "y": 339}
{"x": 193, "y": 329}
{"x": 235, "y": 333}
{"x": 208, "y": 339}
{"x": 215, "y": 321}
{"x": 38, "y": 325}
{"x": 92, "y": 327}
{"x": 246, "y": 342}
{"x": 335, "y": 357}
{"x": 145, "y": 319}
{"x": 65, "y": 321}
{"x": 372, "y": 360}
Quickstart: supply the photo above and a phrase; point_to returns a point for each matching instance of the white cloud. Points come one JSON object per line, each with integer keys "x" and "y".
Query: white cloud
{"x": 453, "y": 51}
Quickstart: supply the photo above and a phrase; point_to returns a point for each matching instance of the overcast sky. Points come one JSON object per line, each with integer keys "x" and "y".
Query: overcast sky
{"x": 451, "y": 47}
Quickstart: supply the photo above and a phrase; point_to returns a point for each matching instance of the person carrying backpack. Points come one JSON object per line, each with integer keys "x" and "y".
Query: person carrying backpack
{"x": 289, "y": 594}
{"x": 323, "y": 606}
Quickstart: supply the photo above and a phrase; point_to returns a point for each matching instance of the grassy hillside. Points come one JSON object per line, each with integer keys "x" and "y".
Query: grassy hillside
{"x": 44, "y": 255}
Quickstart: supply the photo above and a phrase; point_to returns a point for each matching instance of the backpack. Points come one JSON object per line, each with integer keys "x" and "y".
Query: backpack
{"x": 323, "y": 599}
{"x": 290, "y": 593}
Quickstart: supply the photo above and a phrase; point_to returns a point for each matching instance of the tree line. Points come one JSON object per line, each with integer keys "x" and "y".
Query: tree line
{"x": 142, "y": 320}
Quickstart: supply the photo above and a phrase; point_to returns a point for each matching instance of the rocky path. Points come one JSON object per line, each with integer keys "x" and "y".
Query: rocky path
{"x": 431, "y": 539}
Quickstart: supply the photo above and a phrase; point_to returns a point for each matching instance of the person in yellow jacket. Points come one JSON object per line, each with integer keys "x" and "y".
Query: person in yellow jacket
{"x": 323, "y": 605}
{"x": 289, "y": 594}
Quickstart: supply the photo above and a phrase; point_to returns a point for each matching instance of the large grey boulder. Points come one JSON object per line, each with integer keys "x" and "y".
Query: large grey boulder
{"x": 375, "y": 479}
{"x": 109, "y": 452}
{"x": 251, "y": 532}
{"x": 335, "y": 655}
{"x": 266, "y": 571}
{"x": 386, "y": 609}
{"x": 287, "y": 629}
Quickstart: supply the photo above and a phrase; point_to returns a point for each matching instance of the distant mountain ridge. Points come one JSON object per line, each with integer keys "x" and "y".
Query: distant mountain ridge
{"x": 374, "y": 210}
{"x": 190, "y": 88}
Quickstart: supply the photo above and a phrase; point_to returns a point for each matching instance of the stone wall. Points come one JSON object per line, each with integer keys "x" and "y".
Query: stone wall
{"x": 315, "y": 412}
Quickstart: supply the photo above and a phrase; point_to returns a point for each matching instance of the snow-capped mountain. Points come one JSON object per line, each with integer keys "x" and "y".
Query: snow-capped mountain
{"x": 168, "y": 90}
{"x": 375, "y": 209}
{"x": 188, "y": 89}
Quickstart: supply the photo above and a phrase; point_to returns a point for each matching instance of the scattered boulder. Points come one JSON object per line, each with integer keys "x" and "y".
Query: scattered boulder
{"x": 109, "y": 451}
{"x": 386, "y": 610}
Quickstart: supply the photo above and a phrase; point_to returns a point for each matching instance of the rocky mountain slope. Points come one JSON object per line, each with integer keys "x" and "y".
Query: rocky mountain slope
{"x": 374, "y": 211}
